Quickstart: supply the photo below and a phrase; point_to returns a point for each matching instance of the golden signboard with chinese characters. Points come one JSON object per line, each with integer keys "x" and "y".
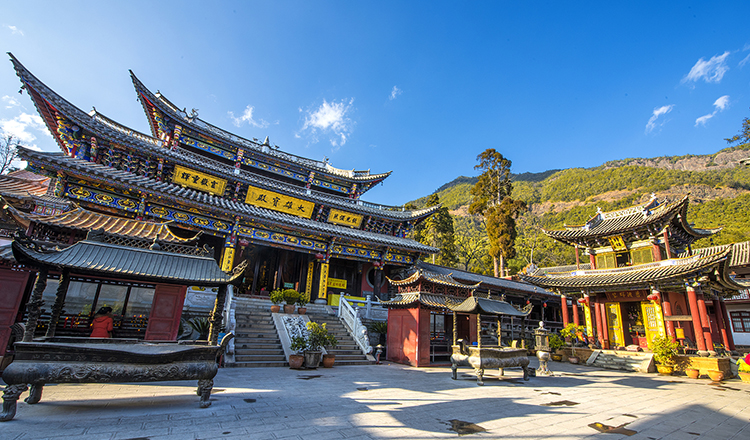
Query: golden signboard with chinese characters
{"x": 344, "y": 218}
{"x": 618, "y": 244}
{"x": 337, "y": 283}
{"x": 279, "y": 202}
{"x": 197, "y": 180}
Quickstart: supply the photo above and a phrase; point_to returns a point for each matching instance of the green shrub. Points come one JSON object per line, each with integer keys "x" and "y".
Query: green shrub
{"x": 277, "y": 296}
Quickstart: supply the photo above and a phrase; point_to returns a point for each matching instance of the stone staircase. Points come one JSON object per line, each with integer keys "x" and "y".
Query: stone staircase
{"x": 347, "y": 351}
{"x": 612, "y": 360}
{"x": 256, "y": 341}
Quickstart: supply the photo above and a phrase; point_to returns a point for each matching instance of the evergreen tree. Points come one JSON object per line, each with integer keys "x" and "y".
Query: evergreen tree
{"x": 437, "y": 231}
{"x": 491, "y": 198}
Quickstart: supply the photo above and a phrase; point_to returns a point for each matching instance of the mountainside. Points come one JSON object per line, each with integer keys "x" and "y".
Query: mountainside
{"x": 719, "y": 188}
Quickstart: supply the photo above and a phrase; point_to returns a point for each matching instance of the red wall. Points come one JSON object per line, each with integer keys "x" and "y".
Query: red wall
{"x": 403, "y": 325}
{"x": 13, "y": 285}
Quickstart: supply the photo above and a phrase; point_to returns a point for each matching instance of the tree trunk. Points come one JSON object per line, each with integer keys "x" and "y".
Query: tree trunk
{"x": 495, "y": 266}
{"x": 502, "y": 265}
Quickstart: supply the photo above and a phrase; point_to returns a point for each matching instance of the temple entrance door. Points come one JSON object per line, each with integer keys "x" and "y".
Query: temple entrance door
{"x": 166, "y": 310}
{"x": 651, "y": 321}
{"x": 614, "y": 323}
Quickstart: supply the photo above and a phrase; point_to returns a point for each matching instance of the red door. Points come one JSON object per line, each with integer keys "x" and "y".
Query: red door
{"x": 13, "y": 285}
{"x": 166, "y": 310}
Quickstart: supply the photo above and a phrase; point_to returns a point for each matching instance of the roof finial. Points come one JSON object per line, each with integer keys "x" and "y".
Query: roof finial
{"x": 267, "y": 142}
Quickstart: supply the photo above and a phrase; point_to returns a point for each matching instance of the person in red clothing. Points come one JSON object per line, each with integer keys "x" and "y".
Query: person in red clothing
{"x": 102, "y": 323}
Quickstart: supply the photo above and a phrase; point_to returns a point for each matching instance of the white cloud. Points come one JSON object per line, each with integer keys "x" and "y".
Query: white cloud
{"x": 19, "y": 127}
{"x": 745, "y": 60}
{"x": 330, "y": 118}
{"x": 663, "y": 110}
{"x": 719, "y": 105}
{"x": 14, "y": 30}
{"x": 10, "y": 101}
{"x": 247, "y": 116}
{"x": 709, "y": 71}
{"x": 394, "y": 93}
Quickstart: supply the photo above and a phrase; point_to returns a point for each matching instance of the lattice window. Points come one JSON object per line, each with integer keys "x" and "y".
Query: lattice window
{"x": 740, "y": 321}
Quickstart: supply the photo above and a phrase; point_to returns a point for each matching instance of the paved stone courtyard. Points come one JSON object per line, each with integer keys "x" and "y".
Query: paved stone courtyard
{"x": 394, "y": 401}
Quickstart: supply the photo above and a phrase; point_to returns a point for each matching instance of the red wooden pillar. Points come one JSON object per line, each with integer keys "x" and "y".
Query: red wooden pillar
{"x": 656, "y": 250}
{"x": 727, "y": 323}
{"x": 578, "y": 259}
{"x": 605, "y": 328}
{"x": 705, "y": 323}
{"x": 666, "y": 307}
{"x": 592, "y": 260}
{"x": 565, "y": 317}
{"x": 666, "y": 243}
{"x": 598, "y": 318}
{"x": 576, "y": 321}
{"x": 720, "y": 322}
{"x": 697, "y": 330}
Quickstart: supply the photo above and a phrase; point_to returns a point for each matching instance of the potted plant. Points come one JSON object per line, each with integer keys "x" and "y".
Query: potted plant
{"x": 381, "y": 328}
{"x": 202, "y": 326}
{"x": 298, "y": 345}
{"x": 570, "y": 333}
{"x": 555, "y": 343}
{"x": 665, "y": 354}
{"x": 302, "y": 301}
{"x": 290, "y": 297}
{"x": 692, "y": 373}
{"x": 277, "y": 297}
{"x": 743, "y": 368}
{"x": 317, "y": 336}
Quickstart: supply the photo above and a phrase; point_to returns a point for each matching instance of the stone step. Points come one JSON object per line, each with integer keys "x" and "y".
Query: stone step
{"x": 257, "y": 364}
{"x": 259, "y": 358}
{"x": 256, "y": 351}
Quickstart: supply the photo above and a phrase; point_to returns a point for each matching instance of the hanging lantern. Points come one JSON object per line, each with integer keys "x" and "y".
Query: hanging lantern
{"x": 654, "y": 296}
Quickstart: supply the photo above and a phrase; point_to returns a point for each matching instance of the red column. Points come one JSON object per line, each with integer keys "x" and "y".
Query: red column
{"x": 666, "y": 307}
{"x": 565, "y": 317}
{"x": 592, "y": 259}
{"x": 705, "y": 323}
{"x": 666, "y": 243}
{"x": 720, "y": 323}
{"x": 575, "y": 313}
{"x": 697, "y": 332}
{"x": 605, "y": 328}
{"x": 598, "y": 318}
{"x": 727, "y": 323}
{"x": 578, "y": 259}
{"x": 656, "y": 250}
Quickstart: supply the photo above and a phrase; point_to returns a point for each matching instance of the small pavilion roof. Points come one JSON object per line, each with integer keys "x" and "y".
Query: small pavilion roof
{"x": 432, "y": 300}
{"x": 641, "y": 275}
{"x": 17, "y": 185}
{"x": 489, "y": 282}
{"x": 740, "y": 255}
{"x": 94, "y": 257}
{"x": 486, "y": 306}
{"x": 433, "y": 277}
{"x": 644, "y": 220}
{"x": 85, "y": 220}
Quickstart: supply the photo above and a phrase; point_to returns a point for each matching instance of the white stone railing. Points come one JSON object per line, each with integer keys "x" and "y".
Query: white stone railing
{"x": 348, "y": 316}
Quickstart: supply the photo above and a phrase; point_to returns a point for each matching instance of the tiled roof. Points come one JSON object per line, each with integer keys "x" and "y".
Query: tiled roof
{"x": 485, "y": 280}
{"x": 15, "y": 186}
{"x": 102, "y": 259}
{"x": 128, "y": 137}
{"x": 231, "y": 139}
{"x": 228, "y": 208}
{"x": 740, "y": 253}
{"x": 640, "y": 275}
{"x": 427, "y": 299}
{"x": 561, "y": 269}
{"x": 486, "y": 306}
{"x": 85, "y": 220}
{"x": 433, "y": 277}
{"x": 650, "y": 216}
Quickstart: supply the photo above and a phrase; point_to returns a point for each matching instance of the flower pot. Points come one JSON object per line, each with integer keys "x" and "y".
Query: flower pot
{"x": 665, "y": 370}
{"x": 312, "y": 359}
{"x": 295, "y": 361}
{"x": 275, "y": 308}
{"x": 573, "y": 359}
{"x": 715, "y": 375}
{"x": 557, "y": 357}
{"x": 328, "y": 360}
{"x": 692, "y": 373}
{"x": 289, "y": 308}
{"x": 301, "y": 310}
{"x": 744, "y": 376}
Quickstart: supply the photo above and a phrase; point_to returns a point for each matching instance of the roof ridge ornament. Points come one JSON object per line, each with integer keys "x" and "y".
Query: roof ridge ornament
{"x": 95, "y": 235}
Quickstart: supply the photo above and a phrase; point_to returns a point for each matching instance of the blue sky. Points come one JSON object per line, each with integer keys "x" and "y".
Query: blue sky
{"x": 418, "y": 87}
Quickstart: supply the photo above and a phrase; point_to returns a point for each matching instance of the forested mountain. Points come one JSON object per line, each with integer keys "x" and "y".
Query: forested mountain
{"x": 719, "y": 188}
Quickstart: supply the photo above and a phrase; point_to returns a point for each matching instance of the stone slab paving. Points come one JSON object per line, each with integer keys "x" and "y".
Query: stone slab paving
{"x": 393, "y": 401}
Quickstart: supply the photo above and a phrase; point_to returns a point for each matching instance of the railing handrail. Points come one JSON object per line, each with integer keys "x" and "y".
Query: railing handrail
{"x": 357, "y": 330}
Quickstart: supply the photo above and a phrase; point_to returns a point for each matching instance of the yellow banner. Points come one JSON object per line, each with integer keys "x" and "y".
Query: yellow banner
{"x": 228, "y": 260}
{"x": 197, "y": 180}
{"x": 618, "y": 244}
{"x": 336, "y": 283}
{"x": 344, "y": 218}
{"x": 589, "y": 325}
{"x": 322, "y": 287}
{"x": 279, "y": 202}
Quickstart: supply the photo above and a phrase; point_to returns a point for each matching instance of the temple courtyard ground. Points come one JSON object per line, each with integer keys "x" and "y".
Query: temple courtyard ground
{"x": 394, "y": 401}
